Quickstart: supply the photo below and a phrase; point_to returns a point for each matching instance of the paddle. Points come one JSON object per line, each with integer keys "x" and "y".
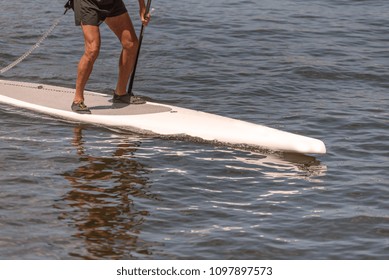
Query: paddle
{"x": 129, "y": 90}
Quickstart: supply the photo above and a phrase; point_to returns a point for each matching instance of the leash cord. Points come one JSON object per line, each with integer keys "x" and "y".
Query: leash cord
{"x": 34, "y": 47}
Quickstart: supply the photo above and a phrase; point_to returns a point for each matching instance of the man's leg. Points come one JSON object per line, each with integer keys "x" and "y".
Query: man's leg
{"x": 85, "y": 66}
{"x": 123, "y": 28}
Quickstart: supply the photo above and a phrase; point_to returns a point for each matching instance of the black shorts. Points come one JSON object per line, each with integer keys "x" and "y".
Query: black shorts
{"x": 94, "y": 12}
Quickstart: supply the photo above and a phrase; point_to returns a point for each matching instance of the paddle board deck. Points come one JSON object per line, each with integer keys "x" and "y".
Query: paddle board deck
{"x": 154, "y": 118}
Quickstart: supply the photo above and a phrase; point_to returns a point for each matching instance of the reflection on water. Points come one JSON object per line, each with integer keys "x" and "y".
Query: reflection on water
{"x": 290, "y": 165}
{"x": 109, "y": 198}
{"x": 272, "y": 164}
{"x": 100, "y": 195}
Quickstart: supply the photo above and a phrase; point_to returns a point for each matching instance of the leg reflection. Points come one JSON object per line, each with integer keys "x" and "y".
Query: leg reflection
{"x": 103, "y": 196}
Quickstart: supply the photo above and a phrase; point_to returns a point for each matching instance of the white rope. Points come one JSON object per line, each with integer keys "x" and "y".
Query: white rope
{"x": 34, "y": 47}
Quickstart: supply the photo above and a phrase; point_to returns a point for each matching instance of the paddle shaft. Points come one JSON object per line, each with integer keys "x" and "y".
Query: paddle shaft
{"x": 129, "y": 90}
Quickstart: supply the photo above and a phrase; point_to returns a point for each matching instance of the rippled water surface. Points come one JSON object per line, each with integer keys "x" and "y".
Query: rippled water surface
{"x": 318, "y": 68}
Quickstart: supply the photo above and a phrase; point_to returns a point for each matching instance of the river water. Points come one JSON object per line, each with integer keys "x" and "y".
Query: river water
{"x": 318, "y": 68}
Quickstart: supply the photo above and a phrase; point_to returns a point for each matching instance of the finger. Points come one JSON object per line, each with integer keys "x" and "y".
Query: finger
{"x": 146, "y": 19}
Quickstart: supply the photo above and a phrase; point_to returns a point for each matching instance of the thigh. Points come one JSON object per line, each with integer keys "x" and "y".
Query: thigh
{"x": 91, "y": 36}
{"x": 122, "y": 27}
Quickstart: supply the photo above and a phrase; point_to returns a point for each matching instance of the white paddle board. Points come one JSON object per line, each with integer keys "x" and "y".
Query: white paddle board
{"x": 154, "y": 118}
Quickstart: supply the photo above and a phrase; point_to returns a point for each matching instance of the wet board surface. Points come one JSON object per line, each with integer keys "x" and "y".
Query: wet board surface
{"x": 154, "y": 118}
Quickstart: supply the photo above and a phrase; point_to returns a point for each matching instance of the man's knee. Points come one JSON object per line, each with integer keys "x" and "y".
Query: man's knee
{"x": 130, "y": 44}
{"x": 92, "y": 52}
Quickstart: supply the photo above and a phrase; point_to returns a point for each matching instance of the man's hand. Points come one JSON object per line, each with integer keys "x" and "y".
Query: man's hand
{"x": 143, "y": 16}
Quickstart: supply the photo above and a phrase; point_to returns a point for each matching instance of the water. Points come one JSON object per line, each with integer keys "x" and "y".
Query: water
{"x": 318, "y": 68}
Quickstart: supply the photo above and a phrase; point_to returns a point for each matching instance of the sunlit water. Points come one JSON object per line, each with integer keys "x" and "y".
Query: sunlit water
{"x": 73, "y": 191}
